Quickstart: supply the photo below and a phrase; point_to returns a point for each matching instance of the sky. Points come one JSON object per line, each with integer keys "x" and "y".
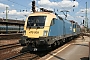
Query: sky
{"x": 20, "y": 9}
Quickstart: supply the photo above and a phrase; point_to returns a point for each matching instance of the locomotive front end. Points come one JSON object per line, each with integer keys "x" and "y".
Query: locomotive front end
{"x": 36, "y": 31}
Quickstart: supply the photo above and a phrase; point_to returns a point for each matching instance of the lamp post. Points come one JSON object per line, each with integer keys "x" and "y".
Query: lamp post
{"x": 86, "y": 19}
{"x": 6, "y": 13}
{"x": 7, "y": 21}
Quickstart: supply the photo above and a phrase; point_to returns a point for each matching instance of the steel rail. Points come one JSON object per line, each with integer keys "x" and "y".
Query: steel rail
{"x": 9, "y": 46}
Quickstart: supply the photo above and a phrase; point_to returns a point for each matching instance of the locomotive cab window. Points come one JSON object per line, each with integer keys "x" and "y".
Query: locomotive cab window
{"x": 36, "y": 21}
{"x": 53, "y": 21}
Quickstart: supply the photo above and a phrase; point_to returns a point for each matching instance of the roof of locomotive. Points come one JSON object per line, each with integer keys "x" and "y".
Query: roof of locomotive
{"x": 43, "y": 14}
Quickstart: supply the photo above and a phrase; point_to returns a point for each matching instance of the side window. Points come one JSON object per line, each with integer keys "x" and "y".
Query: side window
{"x": 53, "y": 21}
{"x": 75, "y": 25}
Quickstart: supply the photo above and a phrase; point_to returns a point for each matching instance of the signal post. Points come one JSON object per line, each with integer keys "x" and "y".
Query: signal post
{"x": 33, "y": 6}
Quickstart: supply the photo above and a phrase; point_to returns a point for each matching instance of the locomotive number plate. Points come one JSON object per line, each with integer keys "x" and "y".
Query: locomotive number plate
{"x": 34, "y": 32}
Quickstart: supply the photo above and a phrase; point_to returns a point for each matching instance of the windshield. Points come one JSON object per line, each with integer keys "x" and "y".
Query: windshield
{"x": 36, "y": 21}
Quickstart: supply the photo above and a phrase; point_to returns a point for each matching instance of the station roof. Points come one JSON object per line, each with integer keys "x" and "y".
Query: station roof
{"x": 11, "y": 21}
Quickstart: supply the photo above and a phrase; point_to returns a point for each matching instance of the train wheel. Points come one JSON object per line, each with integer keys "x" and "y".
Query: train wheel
{"x": 54, "y": 45}
{"x": 64, "y": 41}
{"x": 58, "y": 42}
{"x": 23, "y": 44}
{"x": 61, "y": 42}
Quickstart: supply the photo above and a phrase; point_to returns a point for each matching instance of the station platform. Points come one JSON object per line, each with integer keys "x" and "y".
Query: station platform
{"x": 77, "y": 49}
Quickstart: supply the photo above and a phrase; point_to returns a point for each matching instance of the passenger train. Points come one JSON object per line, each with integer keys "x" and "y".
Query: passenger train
{"x": 10, "y": 29}
{"x": 44, "y": 30}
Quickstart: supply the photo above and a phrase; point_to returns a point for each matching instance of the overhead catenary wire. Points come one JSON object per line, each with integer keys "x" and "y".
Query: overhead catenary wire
{"x": 17, "y": 9}
{"x": 58, "y": 5}
{"x": 19, "y": 4}
{"x": 20, "y": 10}
{"x": 64, "y": 8}
{"x": 61, "y": 6}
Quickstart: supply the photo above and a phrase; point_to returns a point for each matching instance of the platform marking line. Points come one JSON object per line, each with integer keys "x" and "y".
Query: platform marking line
{"x": 58, "y": 52}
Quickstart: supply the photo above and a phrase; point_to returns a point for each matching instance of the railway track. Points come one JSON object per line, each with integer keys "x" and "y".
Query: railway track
{"x": 10, "y": 36}
{"x": 24, "y": 56}
{"x": 12, "y": 57}
{"x": 28, "y": 56}
{"x": 9, "y": 46}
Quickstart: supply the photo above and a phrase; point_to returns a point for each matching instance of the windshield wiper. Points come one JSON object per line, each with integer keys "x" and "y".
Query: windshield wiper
{"x": 28, "y": 26}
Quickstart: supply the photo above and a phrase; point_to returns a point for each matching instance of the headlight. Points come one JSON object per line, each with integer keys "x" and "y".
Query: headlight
{"x": 45, "y": 33}
{"x": 24, "y": 32}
